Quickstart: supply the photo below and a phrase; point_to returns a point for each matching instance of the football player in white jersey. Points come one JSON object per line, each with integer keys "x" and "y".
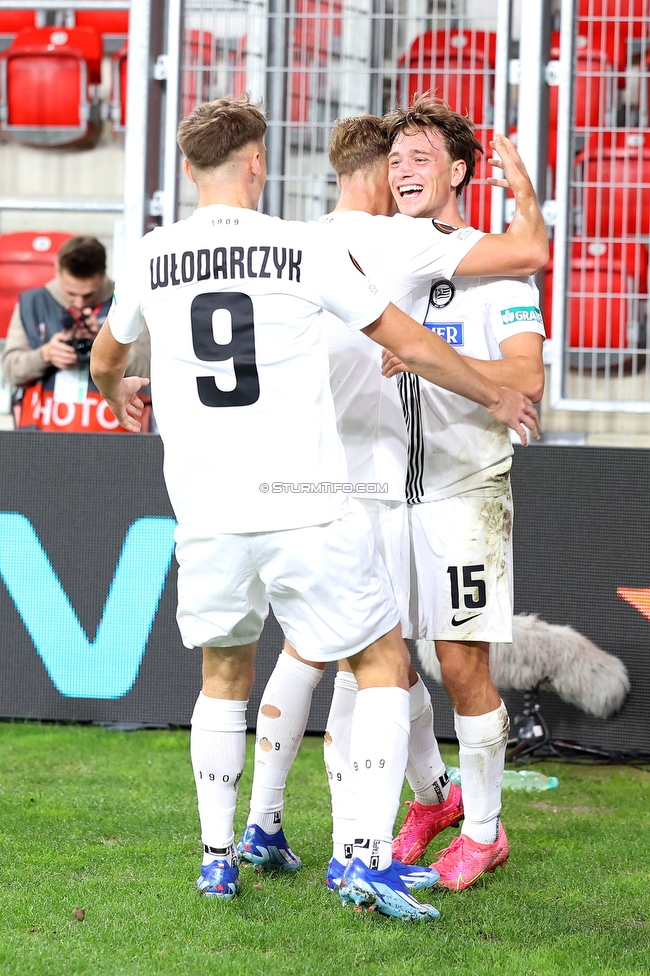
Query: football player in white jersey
{"x": 403, "y": 254}
{"x": 458, "y": 488}
{"x": 253, "y": 465}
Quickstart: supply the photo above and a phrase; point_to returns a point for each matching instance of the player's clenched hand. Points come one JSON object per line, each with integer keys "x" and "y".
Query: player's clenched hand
{"x": 128, "y": 406}
{"x": 517, "y": 412}
{"x": 390, "y": 364}
{"x": 514, "y": 171}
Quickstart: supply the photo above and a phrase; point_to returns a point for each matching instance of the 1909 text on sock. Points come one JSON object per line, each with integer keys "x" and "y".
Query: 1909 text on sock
{"x": 368, "y": 764}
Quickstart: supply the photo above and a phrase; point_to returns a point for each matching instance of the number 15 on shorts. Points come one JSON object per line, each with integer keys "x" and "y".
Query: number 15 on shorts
{"x": 474, "y": 593}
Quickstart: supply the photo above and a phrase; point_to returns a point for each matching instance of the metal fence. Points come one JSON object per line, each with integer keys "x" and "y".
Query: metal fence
{"x": 599, "y": 166}
{"x": 313, "y": 61}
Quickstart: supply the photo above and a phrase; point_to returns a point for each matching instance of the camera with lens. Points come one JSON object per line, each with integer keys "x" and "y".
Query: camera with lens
{"x": 81, "y": 344}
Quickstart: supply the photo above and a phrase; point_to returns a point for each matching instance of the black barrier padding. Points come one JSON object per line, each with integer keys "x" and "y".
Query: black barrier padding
{"x": 581, "y": 525}
{"x": 582, "y": 521}
{"x": 81, "y": 493}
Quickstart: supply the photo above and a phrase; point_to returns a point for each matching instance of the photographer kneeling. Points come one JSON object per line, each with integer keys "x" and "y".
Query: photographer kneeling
{"x": 48, "y": 344}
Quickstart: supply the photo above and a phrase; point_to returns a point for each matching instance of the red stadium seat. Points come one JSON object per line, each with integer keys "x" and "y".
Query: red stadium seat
{"x": 12, "y": 21}
{"x": 613, "y": 179}
{"x": 46, "y": 79}
{"x": 607, "y": 295}
{"x": 112, "y": 25}
{"x": 55, "y": 40}
{"x": 27, "y": 260}
{"x": 622, "y": 29}
{"x": 317, "y": 21}
{"x": 608, "y": 34}
{"x": 199, "y": 64}
{"x": 594, "y": 102}
{"x": 632, "y": 16}
{"x": 456, "y": 65}
{"x": 109, "y": 22}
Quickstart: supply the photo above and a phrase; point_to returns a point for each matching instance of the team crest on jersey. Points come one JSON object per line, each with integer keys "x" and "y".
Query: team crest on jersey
{"x": 444, "y": 228}
{"x": 442, "y": 293}
{"x": 451, "y": 332}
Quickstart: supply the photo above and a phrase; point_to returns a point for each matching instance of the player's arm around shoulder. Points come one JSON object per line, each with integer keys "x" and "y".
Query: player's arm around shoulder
{"x": 108, "y": 360}
{"x": 513, "y": 316}
{"x": 425, "y": 353}
{"x": 522, "y": 366}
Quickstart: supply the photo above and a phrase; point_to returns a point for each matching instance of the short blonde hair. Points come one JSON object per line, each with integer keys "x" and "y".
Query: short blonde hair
{"x": 357, "y": 143}
{"x": 214, "y": 130}
{"x": 457, "y": 131}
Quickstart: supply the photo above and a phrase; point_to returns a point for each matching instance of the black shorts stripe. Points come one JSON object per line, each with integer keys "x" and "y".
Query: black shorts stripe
{"x": 409, "y": 391}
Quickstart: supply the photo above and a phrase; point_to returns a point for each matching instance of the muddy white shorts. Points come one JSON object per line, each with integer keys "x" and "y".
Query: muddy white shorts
{"x": 327, "y": 585}
{"x": 461, "y": 571}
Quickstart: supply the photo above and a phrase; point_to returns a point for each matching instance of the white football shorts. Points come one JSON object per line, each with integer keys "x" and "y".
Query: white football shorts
{"x": 327, "y": 585}
{"x": 461, "y": 570}
{"x": 390, "y": 526}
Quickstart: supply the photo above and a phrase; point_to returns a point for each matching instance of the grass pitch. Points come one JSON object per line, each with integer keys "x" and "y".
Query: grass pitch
{"x": 105, "y": 822}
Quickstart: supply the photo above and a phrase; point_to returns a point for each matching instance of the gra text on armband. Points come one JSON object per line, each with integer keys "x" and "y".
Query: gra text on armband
{"x": 225, "y": 263}
{"x": 523, "y": 313}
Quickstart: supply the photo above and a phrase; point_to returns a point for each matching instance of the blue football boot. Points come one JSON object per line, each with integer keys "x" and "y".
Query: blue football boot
{"x": 335, "y": 871}
{"x": 267, "y": 852}
{"x": 383, "y": 892}
{"x": 415, "y": 878}
{"x": 219, "y": 879}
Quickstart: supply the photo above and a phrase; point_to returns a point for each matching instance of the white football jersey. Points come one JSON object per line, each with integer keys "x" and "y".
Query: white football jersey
{"x": 455, "y": 445}
{"x": 399, "y": 252}
{"x": 239, "y": 367}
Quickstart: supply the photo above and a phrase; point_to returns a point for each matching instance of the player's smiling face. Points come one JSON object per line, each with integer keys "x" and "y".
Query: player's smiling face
{"x": 421, "y": 175}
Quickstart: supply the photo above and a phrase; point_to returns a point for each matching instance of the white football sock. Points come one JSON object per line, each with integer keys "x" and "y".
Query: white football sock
{"x": 425, "y": 770}
{"x": 378, "y": 754}
{"x": 482, "y": 741}
{"x": 340, "y": 776}
{"x": 281, "y": 722}
{"x": 218, "y": 752}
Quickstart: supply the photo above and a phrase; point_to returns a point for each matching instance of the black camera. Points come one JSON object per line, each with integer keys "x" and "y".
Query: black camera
{"x": 82, "y": 348}
{"x": 81, "y": 345}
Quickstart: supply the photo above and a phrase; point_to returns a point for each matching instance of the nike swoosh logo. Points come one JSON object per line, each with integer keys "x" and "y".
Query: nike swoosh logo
{"x": 465, "y": 620}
